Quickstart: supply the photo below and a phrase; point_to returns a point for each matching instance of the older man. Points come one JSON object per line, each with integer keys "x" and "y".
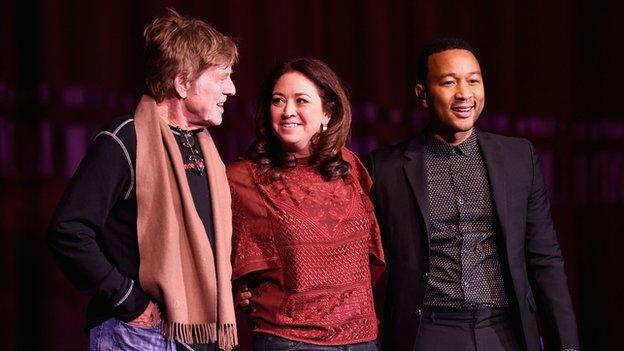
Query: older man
{"x": 145, "y": 224}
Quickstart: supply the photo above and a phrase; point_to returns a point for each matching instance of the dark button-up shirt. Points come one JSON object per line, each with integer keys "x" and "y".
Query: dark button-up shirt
{"x": 464, "y": 265}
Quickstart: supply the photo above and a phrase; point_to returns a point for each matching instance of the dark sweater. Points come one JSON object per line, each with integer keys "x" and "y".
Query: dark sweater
{"x": 93, "y": 233}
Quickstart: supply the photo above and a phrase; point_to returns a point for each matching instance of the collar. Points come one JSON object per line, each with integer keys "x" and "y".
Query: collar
{"x": 179, "y": 131}
{"x": 439, "y": 147}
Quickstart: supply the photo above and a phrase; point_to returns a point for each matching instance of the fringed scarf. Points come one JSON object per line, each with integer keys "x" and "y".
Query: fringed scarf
{"x": 178, "y": 267}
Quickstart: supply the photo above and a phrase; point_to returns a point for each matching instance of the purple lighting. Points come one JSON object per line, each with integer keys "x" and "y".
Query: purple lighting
{"x": 7, "y": 138}
{"x": 75, "y": 147}
{"x": 46, "y": 152}
{"x": 74, "y": 96}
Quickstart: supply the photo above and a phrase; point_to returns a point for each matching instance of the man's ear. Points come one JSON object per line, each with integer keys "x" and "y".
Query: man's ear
{"x": 181, "y": 85}
{"x": 421, "y": 94}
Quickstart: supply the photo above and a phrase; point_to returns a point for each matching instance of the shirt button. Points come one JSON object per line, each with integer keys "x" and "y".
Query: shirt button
{"x": 461, "y": 201}
{"x": 425, "y": 275}
{"x": 418, "y": 312}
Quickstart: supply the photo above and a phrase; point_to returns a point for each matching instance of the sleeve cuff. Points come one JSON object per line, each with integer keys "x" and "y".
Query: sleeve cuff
{"x": 132, "y": 304}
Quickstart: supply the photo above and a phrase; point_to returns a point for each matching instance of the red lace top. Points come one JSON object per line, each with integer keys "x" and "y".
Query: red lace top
{"x": 309, "y": 250}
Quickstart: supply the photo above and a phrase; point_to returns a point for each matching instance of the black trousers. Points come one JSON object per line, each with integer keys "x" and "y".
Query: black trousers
{"x": 478, "y": 329}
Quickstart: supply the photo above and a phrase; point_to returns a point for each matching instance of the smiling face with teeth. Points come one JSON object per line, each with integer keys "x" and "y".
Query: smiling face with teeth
{"x": 454, "y": 94}
{"x": 296, "y": 112}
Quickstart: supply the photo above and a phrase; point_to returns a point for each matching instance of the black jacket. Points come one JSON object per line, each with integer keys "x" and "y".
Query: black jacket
{"x": 530, "y": 254}
{"x": 93, "y": 232}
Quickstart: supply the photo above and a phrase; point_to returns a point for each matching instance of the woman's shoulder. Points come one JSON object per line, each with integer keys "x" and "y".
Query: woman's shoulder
{"x": 358, "y": 170}
{"x": 346, "y": 153}
{"x": 352, "y": 158}
{"x": 238, "y": 165}
{"x": 239, "y": 170}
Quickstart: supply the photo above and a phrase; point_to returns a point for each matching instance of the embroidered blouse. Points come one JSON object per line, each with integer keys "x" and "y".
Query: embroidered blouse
{"x": 309, "y": 250}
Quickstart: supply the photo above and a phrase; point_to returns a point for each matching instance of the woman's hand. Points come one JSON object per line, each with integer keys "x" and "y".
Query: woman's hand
{"x": 243, "y": 296}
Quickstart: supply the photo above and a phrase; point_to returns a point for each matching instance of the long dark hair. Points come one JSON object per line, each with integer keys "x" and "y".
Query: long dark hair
{"x": 267, "y": 150}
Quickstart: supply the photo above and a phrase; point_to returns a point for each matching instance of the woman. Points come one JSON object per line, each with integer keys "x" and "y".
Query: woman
{"x": 305, "y": 239}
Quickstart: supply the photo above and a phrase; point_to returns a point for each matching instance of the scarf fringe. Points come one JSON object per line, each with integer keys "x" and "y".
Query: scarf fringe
{"x": 226, "y": 336}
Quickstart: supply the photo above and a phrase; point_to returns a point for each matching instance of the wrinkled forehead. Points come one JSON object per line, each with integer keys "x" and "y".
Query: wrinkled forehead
{"x": 218, "y": 64}
{"x": 217, "y": 71}
{"x": 224, "y": 68}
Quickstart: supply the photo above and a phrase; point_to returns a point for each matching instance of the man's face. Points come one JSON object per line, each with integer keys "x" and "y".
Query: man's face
{"x": 455, "y": 93}
{"x": 206, "y": 96}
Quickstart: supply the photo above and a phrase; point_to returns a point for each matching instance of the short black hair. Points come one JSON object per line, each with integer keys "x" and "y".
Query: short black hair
{"x": 435, "y": 47}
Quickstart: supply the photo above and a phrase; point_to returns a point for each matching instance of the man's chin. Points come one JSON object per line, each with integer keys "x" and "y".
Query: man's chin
{"x": 464, "y": 125}
{"x": 213, "y": 122}
{"x": 451, "y": 128}
{"x": 464, "y": 128}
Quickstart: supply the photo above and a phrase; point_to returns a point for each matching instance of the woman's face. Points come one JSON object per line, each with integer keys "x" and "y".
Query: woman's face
{"x": 296, "y": 112}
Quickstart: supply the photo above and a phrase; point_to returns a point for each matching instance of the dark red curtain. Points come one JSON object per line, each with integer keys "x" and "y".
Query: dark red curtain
{"x": 552, "y": 74}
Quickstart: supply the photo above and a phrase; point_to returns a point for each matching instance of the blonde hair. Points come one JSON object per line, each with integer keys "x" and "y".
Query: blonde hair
{"x": 179, "y": 45}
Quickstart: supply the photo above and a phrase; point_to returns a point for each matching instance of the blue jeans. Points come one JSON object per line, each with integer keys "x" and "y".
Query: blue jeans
{"x": 113, "y": 335}
{"x": 267, "y": 342}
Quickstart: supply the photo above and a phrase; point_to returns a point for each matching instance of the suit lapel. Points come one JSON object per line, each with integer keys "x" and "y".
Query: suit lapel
{"x": 495, "y": 165}
{"x": 414, "y": 168}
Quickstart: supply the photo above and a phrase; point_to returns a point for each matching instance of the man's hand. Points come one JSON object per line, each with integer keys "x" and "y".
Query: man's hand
{"x": 243, "y": 296}
{"x": 149, "y": 318}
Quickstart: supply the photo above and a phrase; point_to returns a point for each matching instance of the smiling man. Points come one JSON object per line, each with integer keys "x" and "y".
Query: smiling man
{"x": 472, "y": 255}
{"x": 145, "y": 225}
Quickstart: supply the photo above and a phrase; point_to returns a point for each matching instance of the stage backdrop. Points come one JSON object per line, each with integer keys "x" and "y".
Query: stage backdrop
{"x": 552, "y": 74}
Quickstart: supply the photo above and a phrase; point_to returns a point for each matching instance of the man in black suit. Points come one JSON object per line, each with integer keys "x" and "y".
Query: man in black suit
{"x": 472, "y": 254}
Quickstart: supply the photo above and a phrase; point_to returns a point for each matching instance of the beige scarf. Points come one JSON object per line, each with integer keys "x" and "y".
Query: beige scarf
{"x": 177, "y": 263}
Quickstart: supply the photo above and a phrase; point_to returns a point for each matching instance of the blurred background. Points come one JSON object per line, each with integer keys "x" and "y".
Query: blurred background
{"x": 552, "y": 69}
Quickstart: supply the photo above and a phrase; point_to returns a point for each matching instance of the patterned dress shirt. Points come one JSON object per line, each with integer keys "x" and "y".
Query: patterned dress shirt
{"x": 464, "y": 265}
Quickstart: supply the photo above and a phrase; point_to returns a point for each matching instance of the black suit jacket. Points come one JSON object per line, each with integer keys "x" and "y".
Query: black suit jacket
{"x": 530, "y": 254}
